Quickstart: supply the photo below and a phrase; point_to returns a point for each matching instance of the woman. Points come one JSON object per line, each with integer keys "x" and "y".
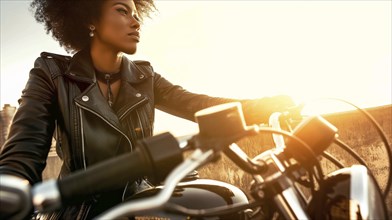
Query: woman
{"x": 100, "y": 102}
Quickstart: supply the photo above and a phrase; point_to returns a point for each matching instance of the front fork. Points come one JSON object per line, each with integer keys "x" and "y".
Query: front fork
{"x": 277, "y": 190}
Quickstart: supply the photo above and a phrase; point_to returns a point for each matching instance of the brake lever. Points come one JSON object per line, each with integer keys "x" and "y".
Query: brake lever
{"x": 241, "y": 159}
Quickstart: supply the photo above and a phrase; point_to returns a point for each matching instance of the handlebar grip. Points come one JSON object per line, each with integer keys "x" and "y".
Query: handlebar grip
{"x": 108, "y": 175}
{"x": 15, "y": 197}
{"x": 155, "y": 156}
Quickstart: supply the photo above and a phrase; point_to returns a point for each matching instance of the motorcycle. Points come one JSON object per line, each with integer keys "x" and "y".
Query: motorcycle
{"x": 288, "y": 180}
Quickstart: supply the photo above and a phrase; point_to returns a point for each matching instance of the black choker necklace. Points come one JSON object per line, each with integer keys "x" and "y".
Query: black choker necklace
{"x": 103, "y": 77}
{"x": 108, "y": 79}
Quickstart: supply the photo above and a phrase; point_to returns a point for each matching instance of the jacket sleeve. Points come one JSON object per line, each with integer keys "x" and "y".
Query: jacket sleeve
{"x": 175, "y": 100}
{"x": 25, "y": 151}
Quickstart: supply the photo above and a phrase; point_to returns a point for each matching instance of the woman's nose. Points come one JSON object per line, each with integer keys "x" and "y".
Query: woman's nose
{"x": 135, "y": 22}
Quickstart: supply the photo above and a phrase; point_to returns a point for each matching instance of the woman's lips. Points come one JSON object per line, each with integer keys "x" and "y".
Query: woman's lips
{"x": 135, "y": 36}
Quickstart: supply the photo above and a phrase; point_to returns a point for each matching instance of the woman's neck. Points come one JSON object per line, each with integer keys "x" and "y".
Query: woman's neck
{"x": 105, "y": 60}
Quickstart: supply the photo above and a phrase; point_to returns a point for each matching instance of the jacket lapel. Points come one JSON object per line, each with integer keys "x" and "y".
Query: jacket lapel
{"x": 129, "y": 99}
{"x": 93, "y": 101}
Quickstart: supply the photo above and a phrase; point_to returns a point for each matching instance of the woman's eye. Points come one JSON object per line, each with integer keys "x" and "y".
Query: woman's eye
{"x": 122, "y": 11}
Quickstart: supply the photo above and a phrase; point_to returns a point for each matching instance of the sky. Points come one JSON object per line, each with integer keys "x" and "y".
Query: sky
{"x": 239, "y": 49}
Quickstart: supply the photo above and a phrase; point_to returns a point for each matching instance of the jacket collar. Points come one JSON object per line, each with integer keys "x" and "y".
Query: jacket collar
{"x": 81, "y": 68}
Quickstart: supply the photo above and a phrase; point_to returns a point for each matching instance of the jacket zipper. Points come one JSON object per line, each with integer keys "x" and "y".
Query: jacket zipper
{"x": 141, "y": 127}
{"x": 141, "y": 124}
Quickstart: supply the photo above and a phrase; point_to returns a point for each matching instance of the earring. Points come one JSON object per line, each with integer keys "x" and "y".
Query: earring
{"x": 92, "y": 28}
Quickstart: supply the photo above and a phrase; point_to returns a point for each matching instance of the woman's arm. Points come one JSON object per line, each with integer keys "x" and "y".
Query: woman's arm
{"x": 175, "y": 100}
{"x": 25, "y": 151}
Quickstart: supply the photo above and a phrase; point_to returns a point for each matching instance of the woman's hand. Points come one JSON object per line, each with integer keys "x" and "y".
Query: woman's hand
{"x": 257, "y": 111}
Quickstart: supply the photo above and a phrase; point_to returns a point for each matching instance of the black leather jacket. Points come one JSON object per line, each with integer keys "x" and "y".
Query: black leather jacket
{"x": 91, "y": 131}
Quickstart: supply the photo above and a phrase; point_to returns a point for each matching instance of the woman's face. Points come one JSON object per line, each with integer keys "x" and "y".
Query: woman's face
{"x": 118, "y": 27}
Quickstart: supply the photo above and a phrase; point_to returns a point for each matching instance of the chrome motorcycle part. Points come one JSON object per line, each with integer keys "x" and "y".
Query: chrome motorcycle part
{"x": 349, "y": 193}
